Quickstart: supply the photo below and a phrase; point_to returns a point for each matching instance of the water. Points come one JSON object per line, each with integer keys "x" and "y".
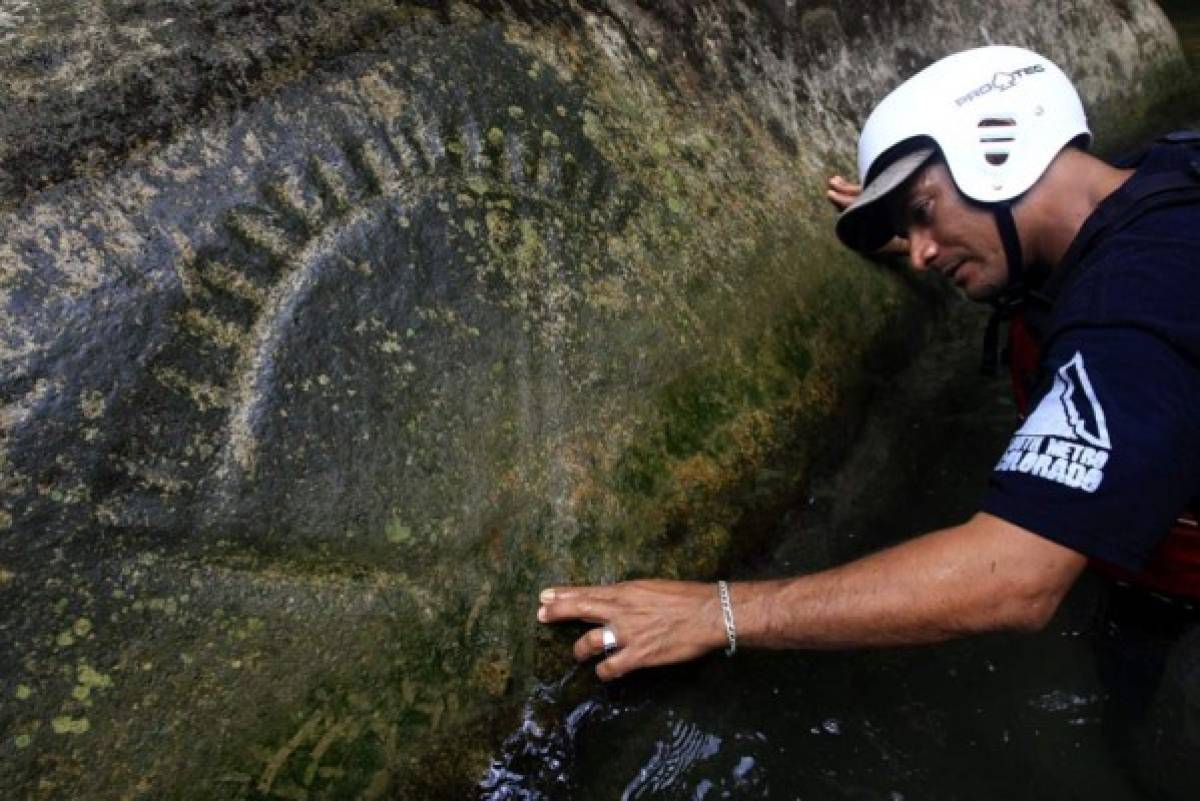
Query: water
{"x": 918, "y": 725}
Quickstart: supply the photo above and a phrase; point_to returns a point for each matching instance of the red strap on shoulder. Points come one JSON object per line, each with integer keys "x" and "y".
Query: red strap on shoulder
{"x": 1023, "y": 358}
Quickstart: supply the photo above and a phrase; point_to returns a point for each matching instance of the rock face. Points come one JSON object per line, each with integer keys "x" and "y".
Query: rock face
{"x": 332, "y": 331}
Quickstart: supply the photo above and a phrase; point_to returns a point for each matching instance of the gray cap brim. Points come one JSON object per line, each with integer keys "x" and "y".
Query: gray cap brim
{"x": 864, "y": 224}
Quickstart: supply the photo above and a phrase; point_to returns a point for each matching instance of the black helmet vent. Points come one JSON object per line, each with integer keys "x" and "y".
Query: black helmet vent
{"x": 997, "y": 134}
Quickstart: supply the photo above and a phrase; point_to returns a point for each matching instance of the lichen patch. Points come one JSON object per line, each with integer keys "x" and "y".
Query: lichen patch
{"x": 65, "y": 724}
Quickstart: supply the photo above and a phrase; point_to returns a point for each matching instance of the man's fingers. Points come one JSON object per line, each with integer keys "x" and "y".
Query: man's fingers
{"x": 589, "y": 645}
{"x": 617, "y": 665}
{"x": 840, "y": 184}
{"x": 840, "y": 200}
{"x": 841, "y": 193}
{"x": 614, "y": 666}
{"x": 591, "y": 604}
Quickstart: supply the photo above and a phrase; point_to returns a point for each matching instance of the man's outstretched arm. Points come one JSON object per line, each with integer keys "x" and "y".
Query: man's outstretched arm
{"x": 984, "y": 575}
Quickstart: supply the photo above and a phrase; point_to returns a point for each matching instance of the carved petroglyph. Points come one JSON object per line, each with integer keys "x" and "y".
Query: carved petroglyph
{"x": 494, "y": 194}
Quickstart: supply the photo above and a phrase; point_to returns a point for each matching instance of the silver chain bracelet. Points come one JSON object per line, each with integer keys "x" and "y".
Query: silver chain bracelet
{"x": 727, "y": 612}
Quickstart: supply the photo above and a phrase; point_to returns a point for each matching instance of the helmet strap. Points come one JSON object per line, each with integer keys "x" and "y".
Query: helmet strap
{"x": 1013, "y": 294}
{"x": 1012, "y": 245}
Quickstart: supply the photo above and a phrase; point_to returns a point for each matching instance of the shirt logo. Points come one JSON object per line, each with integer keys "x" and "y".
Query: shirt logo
{"x": 1066, "y": 438}
{"x": 1000, "y": 82}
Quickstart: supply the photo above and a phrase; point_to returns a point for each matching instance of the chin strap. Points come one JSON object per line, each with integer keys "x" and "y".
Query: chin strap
{"x": 1012, "y": 244}
{"x": 1013, "y": 295}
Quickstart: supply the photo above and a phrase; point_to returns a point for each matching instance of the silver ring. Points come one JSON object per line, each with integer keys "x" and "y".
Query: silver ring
{"x": 609, "y": 638}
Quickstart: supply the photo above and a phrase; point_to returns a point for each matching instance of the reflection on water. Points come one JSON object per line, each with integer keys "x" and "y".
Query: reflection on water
{"x": 533, "y": 760}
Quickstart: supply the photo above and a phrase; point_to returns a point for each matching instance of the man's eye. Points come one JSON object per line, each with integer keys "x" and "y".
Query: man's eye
{"x": 920, "y": 213}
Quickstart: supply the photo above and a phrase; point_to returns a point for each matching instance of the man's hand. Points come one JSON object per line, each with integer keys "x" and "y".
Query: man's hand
{"x": 842, "y": 193}
{"x": 655, "y": 622}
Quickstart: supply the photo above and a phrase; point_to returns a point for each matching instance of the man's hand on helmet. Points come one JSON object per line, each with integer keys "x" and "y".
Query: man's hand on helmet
{"x": 841, "y": 193}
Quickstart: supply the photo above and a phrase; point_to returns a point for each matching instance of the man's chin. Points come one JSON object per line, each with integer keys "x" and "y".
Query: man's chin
{"x": 981, "y": 292}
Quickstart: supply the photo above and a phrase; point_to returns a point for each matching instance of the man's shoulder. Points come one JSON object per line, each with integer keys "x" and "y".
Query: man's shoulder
{"x": 1162, "y": 238}
{"x": 1146, "y": 275}
{"x": 1155, "y": 215}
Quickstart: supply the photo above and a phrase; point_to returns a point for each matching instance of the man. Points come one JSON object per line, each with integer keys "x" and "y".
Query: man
{"x": 978, "y": 163}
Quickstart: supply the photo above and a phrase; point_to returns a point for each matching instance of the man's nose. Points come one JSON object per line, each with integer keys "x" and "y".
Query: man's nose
{"x": 921, "y": 249}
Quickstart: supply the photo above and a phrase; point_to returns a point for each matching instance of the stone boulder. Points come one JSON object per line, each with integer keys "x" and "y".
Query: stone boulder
{"x": 332, "y": 331}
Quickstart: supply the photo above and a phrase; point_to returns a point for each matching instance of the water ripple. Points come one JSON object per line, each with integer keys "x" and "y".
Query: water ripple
{"x": 672, "y": 759}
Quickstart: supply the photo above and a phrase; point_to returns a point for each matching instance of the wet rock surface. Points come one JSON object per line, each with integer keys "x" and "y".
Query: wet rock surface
{"x": 346, "y": 327}
{"x": 86, "y": 84}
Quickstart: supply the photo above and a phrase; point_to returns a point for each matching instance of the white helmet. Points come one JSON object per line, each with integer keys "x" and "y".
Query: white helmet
{"x": 999, "y": 115}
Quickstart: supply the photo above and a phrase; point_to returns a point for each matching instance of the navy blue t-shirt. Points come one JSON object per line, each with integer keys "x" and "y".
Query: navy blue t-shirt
{"x": 1110, "y": 454}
